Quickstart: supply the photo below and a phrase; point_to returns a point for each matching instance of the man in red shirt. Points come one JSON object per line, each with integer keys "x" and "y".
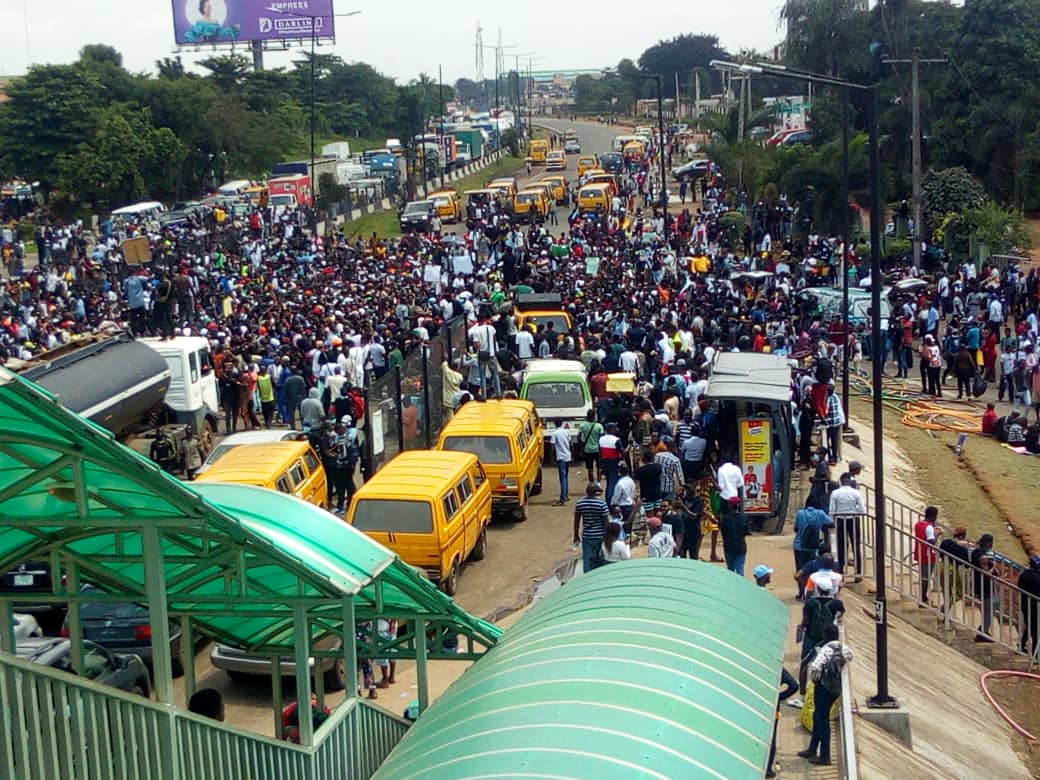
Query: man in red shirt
{"x": 926, "y": 539}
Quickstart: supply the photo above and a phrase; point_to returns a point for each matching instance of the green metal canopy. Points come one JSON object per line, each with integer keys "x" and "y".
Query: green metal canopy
{"x": 235, "y": 559}
{"x": 644, "y": 669}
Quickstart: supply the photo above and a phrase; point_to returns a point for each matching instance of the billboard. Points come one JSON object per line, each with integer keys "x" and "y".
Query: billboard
{"x": 756, "y": 463}
{"x": 203, "y": 22}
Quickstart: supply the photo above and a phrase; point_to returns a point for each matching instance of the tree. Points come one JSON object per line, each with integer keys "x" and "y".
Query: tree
{"x": 126, "y": 159}
{"x": 680, "y": 55}
{"x": 946, "y": 191}
{"x": 49, "y": 110}
{"x": 1001, "y": 229}
{"x": 825, "y": 36}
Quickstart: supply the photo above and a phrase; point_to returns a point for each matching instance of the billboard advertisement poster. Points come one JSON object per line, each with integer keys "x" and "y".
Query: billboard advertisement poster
{"x": 197, "y": 22}
{"x": 756, "y": 463}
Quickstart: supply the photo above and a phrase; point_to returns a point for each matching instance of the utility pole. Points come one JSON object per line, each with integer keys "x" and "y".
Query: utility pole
{"x": 442, "y": 155}
{"x": 915, "y": 98}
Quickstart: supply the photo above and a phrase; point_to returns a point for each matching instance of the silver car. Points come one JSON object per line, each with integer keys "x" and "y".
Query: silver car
{"x": 238, "y": 663}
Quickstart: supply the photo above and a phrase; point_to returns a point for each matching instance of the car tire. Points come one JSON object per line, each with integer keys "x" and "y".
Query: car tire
{"x": 450, "y": 584}
{"x": 176, "y": 667}
{"x": 206, "y": 435}
{"x": 479, "y": 551}
{"x": 137, "y": 690}
{"x": 521, "y": 516}
{"x": 238, "y": 677}
{"x": 536, "y": 488}
{"x": 335, "y": 677}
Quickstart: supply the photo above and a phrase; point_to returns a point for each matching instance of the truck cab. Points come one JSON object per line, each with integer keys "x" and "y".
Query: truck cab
{"x": 191, "y": 397}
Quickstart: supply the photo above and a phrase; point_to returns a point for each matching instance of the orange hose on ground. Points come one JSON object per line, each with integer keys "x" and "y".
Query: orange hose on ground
{"x": 997, "y": 707}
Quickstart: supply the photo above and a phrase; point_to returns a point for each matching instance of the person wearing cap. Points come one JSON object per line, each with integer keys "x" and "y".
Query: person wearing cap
{"x": 590, "y": 523}
{"x": 661, "y": 543}
{"x": 925, "y": 552}
{"x": 763, "y": 575}
{"x": 1029, "y": 600}
{"x": 855, "y": 469}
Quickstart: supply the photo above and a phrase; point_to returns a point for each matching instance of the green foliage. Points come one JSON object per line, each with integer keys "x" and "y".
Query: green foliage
{"x": 511, "y": 141}
{"x": 1001, "y": 229}
{"x": 683, "y": 55}
{"x": 330, "y": 191}
{"x": 946, "y": 191}
{"x": 732, "y": 225}
{"x": 895, "y": 248}
{"x": 825, "y": 36}
{"x": 605, "y": 94}
{"x": 95, "y": 135}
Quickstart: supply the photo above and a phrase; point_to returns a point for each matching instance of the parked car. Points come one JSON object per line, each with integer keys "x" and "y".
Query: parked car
{"x": 416, "y": 216}
{"x": 25, "y": 626}
{"x": 123, "y": 627}
{"x": 30, "y": 578}
{"x": 238, "y": 663}
{"x": 249, "y": 437}
{"x": 125, "y": 672}
{"x": 793, "y": 139}
{"x": 694, "y": 169}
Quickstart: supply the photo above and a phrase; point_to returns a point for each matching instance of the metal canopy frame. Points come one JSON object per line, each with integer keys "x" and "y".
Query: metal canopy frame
{"x": 254, "y": 569}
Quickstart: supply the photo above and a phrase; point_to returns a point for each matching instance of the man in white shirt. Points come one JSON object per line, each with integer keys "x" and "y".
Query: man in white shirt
{"x": 624, "y": 495}
{"x": 846, "y": 509}
{"x": 662, "y": 543}
{"x": 524, "y": 344}
{"x": 561, "y": 442}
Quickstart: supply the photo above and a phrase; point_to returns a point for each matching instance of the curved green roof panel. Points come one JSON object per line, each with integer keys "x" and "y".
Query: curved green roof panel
{"x": 645, "y": 669}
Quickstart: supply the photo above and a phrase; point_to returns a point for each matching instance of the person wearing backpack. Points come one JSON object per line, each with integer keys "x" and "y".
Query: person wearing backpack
{"x": 818, "y": 613}
{"x": 164, "y": 451}
{"x": 346, "y": 454}
{"x": 825, "y": 669}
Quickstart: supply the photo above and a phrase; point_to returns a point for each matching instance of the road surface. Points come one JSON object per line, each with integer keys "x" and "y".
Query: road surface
{"x": 519, "y": 554}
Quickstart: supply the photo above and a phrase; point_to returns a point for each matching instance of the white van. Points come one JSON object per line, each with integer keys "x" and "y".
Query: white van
{"x": 147, "y": 208}
{"x": 234, "y": 188}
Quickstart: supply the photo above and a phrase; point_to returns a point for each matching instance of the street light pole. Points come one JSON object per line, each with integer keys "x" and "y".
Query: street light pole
{"x": 845, "y": 238}
{"x": 882, "y": 699}
{"x": 661, "y": 155}
{"x": 314, "y": 40}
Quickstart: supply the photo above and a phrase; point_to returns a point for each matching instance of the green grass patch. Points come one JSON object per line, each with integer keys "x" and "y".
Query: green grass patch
{"x": 506, "y": 166}
{"x": 384, "y": 223}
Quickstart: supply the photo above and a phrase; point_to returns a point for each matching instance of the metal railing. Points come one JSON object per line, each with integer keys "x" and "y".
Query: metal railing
{"x": 57, "y": 726}
{"x": 956, "y": 592}
{"x": 848, "y": 761}
{"x": 845, "y": 733}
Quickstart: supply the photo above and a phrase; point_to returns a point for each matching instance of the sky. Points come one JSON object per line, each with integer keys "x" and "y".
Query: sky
{"x": 400, "y": 38}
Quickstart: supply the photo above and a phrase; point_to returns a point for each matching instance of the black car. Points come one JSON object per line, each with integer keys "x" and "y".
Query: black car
{"x": 123, "y": 627}
{"x": 416, "y": 215}
{"x": 125, "y": 672}
{"x": 612, "y": 162}
{"x": 29, "y": 578}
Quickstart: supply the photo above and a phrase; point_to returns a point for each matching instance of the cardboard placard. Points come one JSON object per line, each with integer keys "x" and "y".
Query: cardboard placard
{"x": 136, "y": 250}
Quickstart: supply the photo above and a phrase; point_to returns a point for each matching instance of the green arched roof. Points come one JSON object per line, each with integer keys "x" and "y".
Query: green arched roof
{"x": 234, "y": 558}
{"x": 657, "y": 668}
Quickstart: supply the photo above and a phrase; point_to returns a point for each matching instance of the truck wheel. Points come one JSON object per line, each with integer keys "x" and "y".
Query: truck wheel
{"x": 480, "y": 548}
{"x": 450, "y": 584}
{"x": 206, "y": 438}
{"x": 335, "y": 678}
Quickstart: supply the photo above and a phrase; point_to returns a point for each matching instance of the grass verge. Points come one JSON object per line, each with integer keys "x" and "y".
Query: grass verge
{"x": 985, "y": 490}
{"x": 385, "y": 224}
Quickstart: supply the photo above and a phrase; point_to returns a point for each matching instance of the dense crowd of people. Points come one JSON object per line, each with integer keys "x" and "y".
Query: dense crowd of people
{"x": 299, "y": 322}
